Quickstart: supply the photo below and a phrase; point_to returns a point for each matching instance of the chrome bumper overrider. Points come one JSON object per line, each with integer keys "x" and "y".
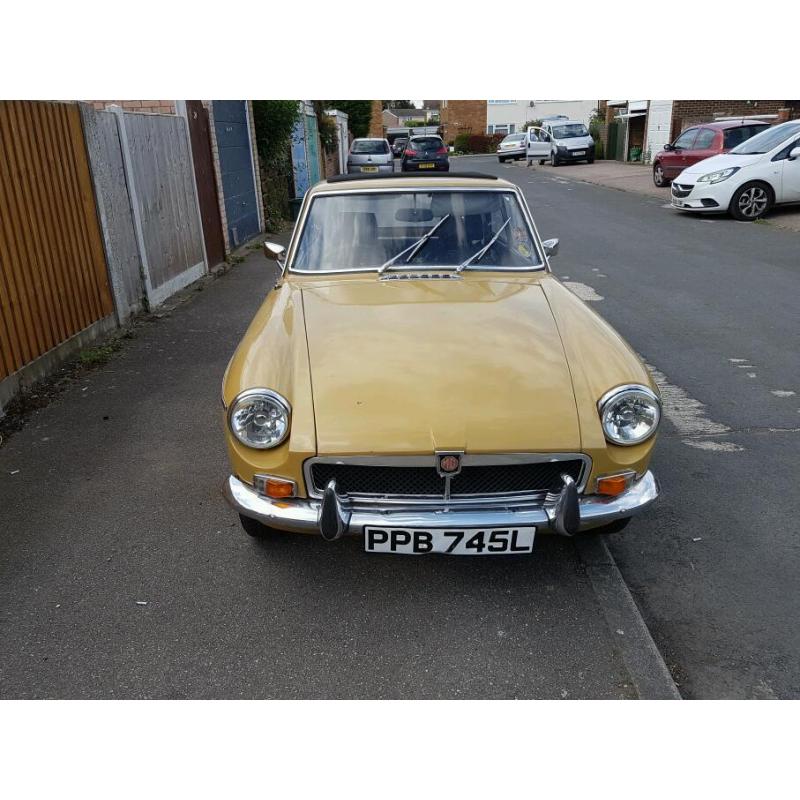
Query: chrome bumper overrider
{"x": 334, "y": 515}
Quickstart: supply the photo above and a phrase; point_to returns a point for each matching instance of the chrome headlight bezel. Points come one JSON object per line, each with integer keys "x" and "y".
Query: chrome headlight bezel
{"x": 270, "y": 396}
{"x": 718, "y": 176}
{"x": 619, "y": 393}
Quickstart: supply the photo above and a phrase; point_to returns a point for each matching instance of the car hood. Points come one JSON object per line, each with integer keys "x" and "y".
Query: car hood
{"x": 574, "y": 142}
{"x": 413, "y": 366}
{"x": 722, "y": 161}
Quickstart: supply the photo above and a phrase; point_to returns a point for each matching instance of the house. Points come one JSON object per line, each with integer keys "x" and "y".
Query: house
{"x": 461, "y": 116}
{"x": 511, "y": 116}
{"x": 399, "y": 117}
{"x": 637, "y": 129}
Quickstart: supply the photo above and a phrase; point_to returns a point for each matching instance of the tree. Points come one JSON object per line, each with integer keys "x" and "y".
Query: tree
{"x": 397, "y": 104}
{"x": 359, "y": 113}
{"x": 274, "y": 121}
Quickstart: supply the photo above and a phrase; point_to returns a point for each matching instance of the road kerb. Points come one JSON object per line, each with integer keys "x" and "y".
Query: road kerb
{"x": 631, "y": 636}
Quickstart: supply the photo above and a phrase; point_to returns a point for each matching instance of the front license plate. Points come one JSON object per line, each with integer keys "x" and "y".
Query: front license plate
{"x": 369, "y": 169}
{"x": 453, "y": 541}
{"x": 579, "y": 153}
{"x": 427, "y": 166}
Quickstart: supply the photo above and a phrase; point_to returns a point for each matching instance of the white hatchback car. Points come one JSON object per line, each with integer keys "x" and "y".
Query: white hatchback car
{"x": 747, "y": 181}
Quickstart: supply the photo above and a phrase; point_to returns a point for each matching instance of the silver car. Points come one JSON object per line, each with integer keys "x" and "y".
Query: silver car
{"x": 370, "y": 155}
{"x": 513, "y": 146}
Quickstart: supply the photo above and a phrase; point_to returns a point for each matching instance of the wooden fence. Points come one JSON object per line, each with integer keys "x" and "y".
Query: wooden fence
{"x": 53, "y": 278}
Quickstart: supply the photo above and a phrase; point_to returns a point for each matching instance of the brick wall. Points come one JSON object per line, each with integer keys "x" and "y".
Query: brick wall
{"x": 462, "y": 116}
{"x": 376, "y": 120}
{"x": 218, "y": 175}
{"x": 256, "y": 165}
{"x": 692, "y": 112}
{"x": 145, "y": 106}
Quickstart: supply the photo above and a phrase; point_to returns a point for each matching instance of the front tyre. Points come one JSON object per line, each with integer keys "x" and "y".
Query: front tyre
{"x": 659, "y": 178}
{"x": 613, "y": 527}
{"x": 254, "y": 528}
{"x": 554, "y": 162}
{"x": 501, "y": 159}
{"x": 751, "y": 201}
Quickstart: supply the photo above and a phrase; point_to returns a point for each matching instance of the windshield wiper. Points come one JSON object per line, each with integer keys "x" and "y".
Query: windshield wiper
{"x": 482, "y": 252}
{"x": 415, "y": 247}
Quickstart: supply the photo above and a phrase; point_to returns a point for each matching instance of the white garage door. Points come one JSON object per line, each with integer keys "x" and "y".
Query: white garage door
{"x": 659, "y": 121}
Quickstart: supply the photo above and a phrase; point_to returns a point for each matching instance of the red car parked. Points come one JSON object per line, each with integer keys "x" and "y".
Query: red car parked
{"x": 699, "y": 142}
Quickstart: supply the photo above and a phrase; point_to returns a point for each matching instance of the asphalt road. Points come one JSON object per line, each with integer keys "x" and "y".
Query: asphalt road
{"x": 712, "y": 304}
{"x": 123, "y": 574}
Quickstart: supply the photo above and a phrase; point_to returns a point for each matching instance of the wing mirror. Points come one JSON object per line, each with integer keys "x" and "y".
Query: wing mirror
{"x": 550, "y": 247}
{"x": 274, "y": 252}
{"x": 794, "y": 153}
{"x": 668, "y": 147}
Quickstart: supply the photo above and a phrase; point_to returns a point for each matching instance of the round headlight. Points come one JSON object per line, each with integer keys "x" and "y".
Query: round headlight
{"x": 259, "y": 418}
{"x": 629, "y": 414}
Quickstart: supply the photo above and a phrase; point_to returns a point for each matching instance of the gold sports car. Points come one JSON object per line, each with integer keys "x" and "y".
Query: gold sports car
{"x": 419, "y": 377}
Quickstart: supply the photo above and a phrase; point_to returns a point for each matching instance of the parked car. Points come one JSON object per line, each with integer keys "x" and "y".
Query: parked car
{"x": 561, "y": 141}
{"x": 370, "y": 156}
{"x": 748, "y": 181}
{"x": 425, "y": 153}
{"x": 398, "y": 146}
{"x": 513, "y": 146}
{"x": 420, "y": 378}
{"x": 700, "y": 142}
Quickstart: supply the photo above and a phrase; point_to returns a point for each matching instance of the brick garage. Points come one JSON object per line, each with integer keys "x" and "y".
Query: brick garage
{"x": 462, "y": 116}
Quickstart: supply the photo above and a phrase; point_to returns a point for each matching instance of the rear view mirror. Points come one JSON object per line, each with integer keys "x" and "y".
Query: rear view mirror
{"x": 274, "y": 252}
{"x": 550, "y": 247}
{"x": 794, "y": 153}
{"x": 413, "y": 215}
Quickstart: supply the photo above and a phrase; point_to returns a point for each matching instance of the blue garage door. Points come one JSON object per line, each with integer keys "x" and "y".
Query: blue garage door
{"x": 236, "y": 166}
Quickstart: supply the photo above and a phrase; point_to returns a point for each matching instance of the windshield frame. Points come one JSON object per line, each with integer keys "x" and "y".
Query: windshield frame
{"x": 311, "y": 197}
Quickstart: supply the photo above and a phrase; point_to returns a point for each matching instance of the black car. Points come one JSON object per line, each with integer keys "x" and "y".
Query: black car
{"x": 398, "y": 146}
{"x": 425, "y": 153}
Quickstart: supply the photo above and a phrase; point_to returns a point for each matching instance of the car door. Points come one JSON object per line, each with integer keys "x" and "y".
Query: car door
{"x": 674, "y": 160}
{"x": 790, "y": 177}
{"x": 706, "y": 144}
{"x": 537, "y": 144}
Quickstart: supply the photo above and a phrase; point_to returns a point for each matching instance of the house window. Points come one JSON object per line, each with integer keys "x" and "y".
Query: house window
{"x": 504, "y": 128}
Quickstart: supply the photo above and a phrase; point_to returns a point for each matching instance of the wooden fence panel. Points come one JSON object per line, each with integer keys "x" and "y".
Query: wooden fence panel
{"x": 53, "y": 277}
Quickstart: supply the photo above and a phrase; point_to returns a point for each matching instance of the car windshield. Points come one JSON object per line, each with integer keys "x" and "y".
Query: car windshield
{"x": 368, "y": 146}
{"x": 514, "y": 137}
{"x": 767, "y": 140}
{"x": 426, "y": 144}
{"x": 568, "y": 131}
{"x": 353, "y": 230}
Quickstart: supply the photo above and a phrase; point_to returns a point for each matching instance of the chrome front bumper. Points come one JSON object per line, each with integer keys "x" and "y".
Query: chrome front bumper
{"x": 334, "y": 516}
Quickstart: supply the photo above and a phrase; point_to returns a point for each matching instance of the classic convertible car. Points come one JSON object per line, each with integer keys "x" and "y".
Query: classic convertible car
{"x": 419, "y": 377}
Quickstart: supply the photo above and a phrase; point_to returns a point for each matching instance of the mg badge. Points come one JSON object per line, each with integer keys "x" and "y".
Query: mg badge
{"x": 449, "y": 464}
